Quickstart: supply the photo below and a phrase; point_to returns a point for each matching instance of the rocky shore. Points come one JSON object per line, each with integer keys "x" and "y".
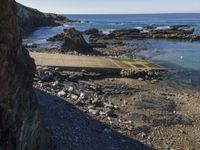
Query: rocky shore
{"x": 115, "y": 43}
{"x": 160, "y": 117}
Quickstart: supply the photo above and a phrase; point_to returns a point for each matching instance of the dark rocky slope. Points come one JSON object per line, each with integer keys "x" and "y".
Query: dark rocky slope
{"x": 30, "y": 18}
{"x": 20, "y": 123}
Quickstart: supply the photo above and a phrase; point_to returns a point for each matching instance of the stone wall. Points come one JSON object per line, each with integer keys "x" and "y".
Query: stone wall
{"x": 20, "y": 123}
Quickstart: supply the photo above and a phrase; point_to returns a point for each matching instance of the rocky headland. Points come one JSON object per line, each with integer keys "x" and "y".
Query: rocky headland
{"x": 29, "y": 19}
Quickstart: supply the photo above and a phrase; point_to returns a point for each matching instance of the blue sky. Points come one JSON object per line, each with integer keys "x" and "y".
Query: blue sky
{"x": 114, "y": 6}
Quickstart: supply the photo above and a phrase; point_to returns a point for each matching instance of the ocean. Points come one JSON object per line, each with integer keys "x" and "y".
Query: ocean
{"x": 183, "y": 56}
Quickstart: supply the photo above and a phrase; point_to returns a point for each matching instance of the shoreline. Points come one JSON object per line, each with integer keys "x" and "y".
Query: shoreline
{"x": 137, "y": 109}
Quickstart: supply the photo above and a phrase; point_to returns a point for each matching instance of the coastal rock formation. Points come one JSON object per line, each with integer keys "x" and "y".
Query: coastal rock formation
{"x": 177, "y": 32}
{"x": 74, "y": 41}
{"x": 29, "y": 18}
{"x": 20, "y": 123}
{"x": 91, "y": 31}
{"x": 57, "y": 37}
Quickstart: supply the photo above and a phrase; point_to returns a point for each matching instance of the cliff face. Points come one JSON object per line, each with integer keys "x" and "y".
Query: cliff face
{"x": 20, "y": 124}
{"x": 29, "y": 18}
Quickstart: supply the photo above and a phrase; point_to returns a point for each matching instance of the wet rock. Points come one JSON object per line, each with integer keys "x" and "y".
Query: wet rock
{"x": 174, "y": 119}
{"x": 158, "y": 103}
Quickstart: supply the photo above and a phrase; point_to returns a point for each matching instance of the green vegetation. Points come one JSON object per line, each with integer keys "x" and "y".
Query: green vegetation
{"x": 136, "y": 62}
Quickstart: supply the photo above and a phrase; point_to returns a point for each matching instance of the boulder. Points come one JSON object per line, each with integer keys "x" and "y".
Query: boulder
{"x": 21, "y": 127}
{"x": 91, "y": 31}
{"x": 74, "y": 41}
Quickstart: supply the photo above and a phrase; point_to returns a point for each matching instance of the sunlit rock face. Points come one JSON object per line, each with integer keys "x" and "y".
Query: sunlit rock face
{"x": 20, "y": 123}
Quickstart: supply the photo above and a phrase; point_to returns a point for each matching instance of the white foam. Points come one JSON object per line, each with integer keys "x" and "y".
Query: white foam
{"x": 163, "y": 27}
{"x": 107, "y": 31}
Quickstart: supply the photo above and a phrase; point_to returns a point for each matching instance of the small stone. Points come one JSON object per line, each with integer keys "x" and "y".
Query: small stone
{"x": 80, "y": 103}
{"x": 61, "y": 93}
{"x": 70, "y": 89}
{"x": 74, "y": 97}
{"x": 91, "y": 107}
{"x": 82, "y": 96}
{"x": 140, "y": 79}
{"x": 94, "y": 112}
{"x": 55, "y": 84}
{"x": 153, "y": 81}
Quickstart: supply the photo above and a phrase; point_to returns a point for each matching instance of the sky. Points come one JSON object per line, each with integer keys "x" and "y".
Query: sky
{"x": 114, "y": 6}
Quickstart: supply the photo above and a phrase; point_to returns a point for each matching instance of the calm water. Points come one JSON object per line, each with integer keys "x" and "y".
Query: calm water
{"x": 181, "y": 55}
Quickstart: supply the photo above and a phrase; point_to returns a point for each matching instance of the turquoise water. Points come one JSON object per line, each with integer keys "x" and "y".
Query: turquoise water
{"x": 184, "y": 56}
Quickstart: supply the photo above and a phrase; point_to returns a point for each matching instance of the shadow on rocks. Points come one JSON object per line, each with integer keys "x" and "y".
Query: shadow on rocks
{"x": 72, "y": 129}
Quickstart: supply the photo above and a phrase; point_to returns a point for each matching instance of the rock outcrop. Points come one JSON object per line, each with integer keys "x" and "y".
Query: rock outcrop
{"x": 20, "y": 123}
{"x": 30, "y": 18}
{"x": 74, "y": 41}
{"x": 176, "y": 32}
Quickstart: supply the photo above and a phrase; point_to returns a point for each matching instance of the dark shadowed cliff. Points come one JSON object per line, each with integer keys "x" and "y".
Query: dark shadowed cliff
{"x": 20, "y": 123}
{"x": 30, "y": 18}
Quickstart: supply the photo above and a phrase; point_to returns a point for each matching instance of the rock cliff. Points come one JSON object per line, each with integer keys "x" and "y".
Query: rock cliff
{"x": 20, "y": 123}
{"x": 30, "y": 18}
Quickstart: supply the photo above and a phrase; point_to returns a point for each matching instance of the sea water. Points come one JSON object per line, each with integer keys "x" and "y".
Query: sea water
{"x": 184, "y": 56}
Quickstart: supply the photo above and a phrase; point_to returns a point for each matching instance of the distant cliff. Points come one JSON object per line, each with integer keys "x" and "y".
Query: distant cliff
{"x": 29, "y": 18}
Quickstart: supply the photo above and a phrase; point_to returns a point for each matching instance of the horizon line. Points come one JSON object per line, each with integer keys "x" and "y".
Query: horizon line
{"x": 128, "y": 13}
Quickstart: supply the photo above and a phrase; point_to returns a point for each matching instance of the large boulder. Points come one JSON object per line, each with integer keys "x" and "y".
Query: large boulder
{"x": 20, "y": 123}
{"x": 74, "y": 41}
{"x": 29, "y": 19}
